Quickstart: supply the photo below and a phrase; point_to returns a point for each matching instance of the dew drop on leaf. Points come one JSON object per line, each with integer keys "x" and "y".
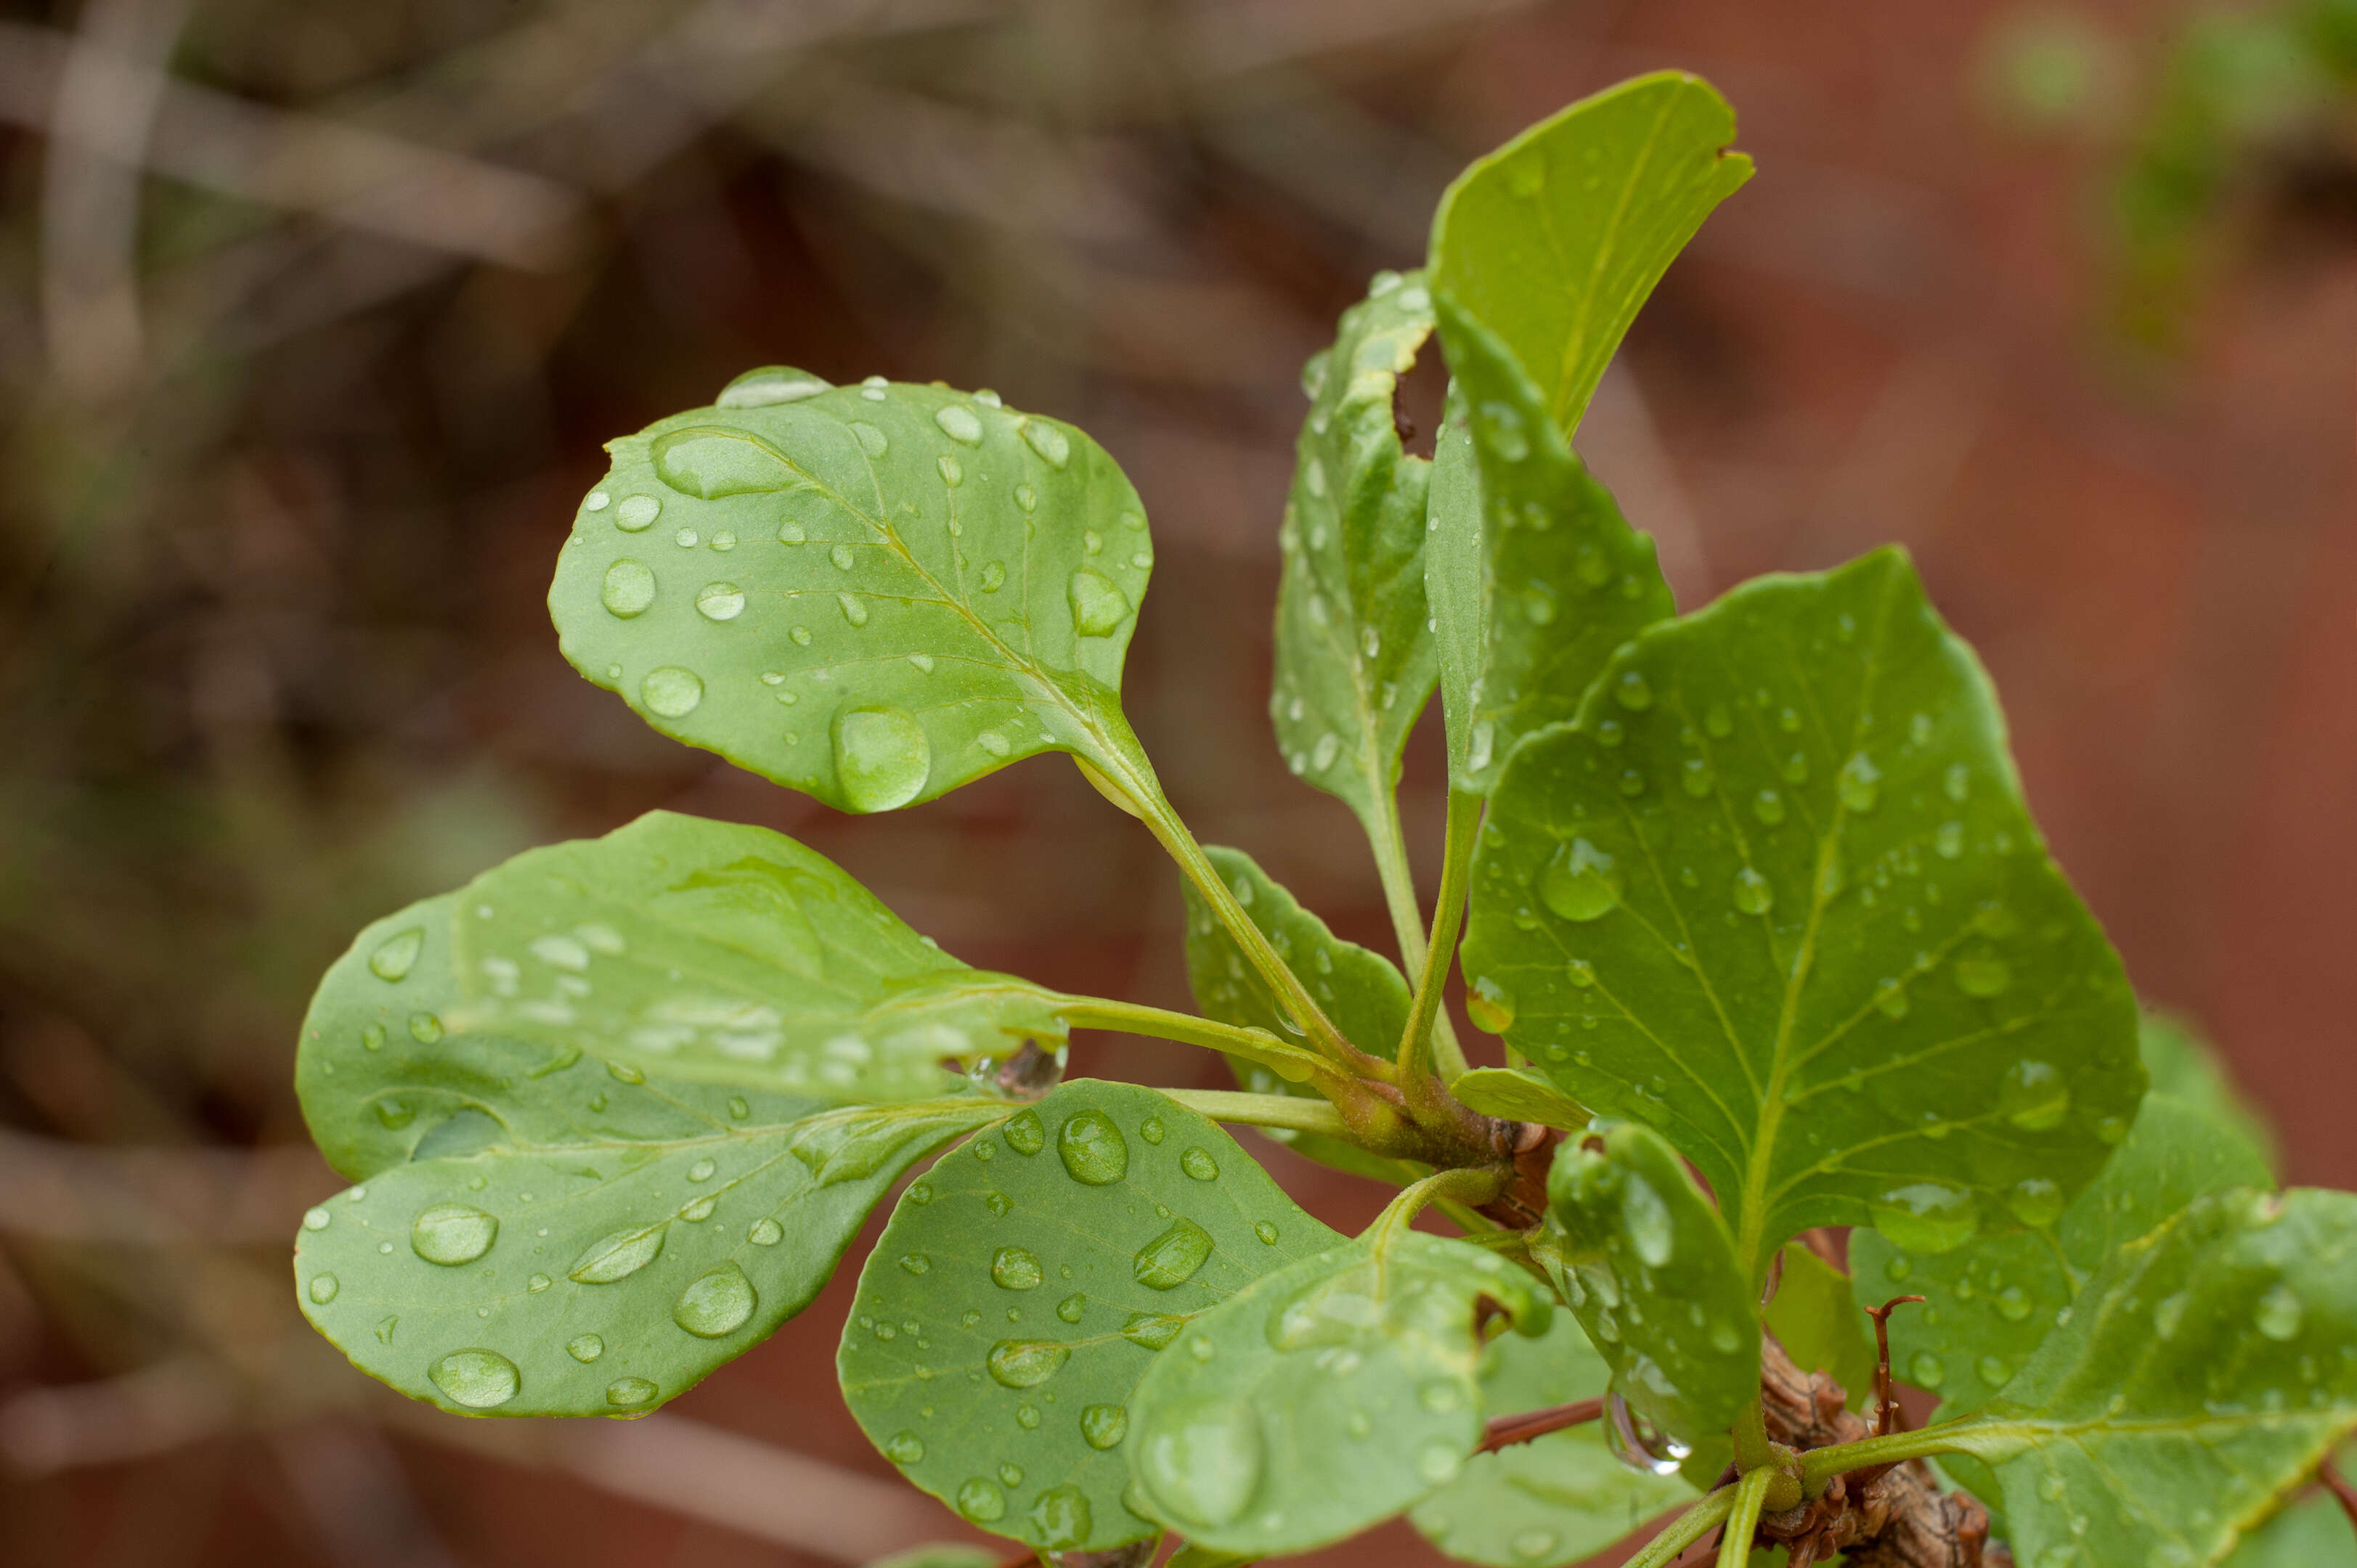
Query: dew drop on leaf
{"x": 720, "y": 601}
{"x": 1151, "y": 1129}
{"x": 1171, "y": 1259}
{"x": 1925, "y": 1217}
{"x": 671, "y": 691}
{"x": 904, "y": 1448}
{"x": 1926, "y": 1370}
{"x": 397, "y": 954}
{"x": 1099, "y": 607}
{"x": 1202, "y": 1461}
{"x": 716, "y": 1304}
{"x": 1025, "y": 1136}
{"x": 1580, "y": 883}
{"x": 1093, "y": 1149}
{"x": 881, "y": 757}
{"x": 1266, "y": 1231}
{"x": 1026, "y": 1363}
{"x": 1015, "y": 1268}
{"x": 1104, "y": 1426}
{"x": 452, "y": 1233}
{"x": 980, "y": 1500}
{"x": 479, "y": 1380}
{"x": 1060, "y": 1518}
{"x": 1051, "y": 444}
{"x": 1490, "y": 1005}
{"x": 636, "y": 513}
{"x": 585, "y": 1347}
{"x": 2279, "y": 1313}
{"x": 628, "y": 1393}
{"x": 1199, "y": 1164}
{"x": 765, "y": 1233}
{"x": 1753, "y": 895}
{"x": 1073, "y": 1308}
{"x": 322, "y": 1289}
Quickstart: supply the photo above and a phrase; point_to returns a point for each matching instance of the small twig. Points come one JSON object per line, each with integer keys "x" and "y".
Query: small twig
{"x": 2337, "y": 1485}
{"x": 1505, "y": 1430}
{"x": 1886, "y": 1413}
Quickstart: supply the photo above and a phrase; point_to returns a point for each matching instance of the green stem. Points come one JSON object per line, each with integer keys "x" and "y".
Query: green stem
{"x": 1448, "y": 1189}
{"x": 1684, "y": 1530}
{"x": 1448, "y": 919}
{"x": 1299, "y": 1114}
{"x": 1819, "y": 1466}
{"x": 1752, "y": 1439}
{"x": 1389, "y": 838}
{"x": 1743, "y": 1518}
{"x": 1289, "y": 1062}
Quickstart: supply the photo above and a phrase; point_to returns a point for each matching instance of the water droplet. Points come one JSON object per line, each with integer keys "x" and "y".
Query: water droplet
{"x": 1201, "y": 1461}
{"x": 317, "y": 1219}
{"x": 2035, "y": 1201}
{"x": 765, "y": 1233}
{"x": 718, "y": 1303}
{"x": 628, "y": 1393}
{"x": 1099, "y": 607}
{"x": 397, "y": 954}
{"x": 801, "y": 635}
{"x": 855, "y": 608}
{"x": 1093, "y": 1149}
{"x": 1996, "y": 1373}
{"x": 585, "y": 1347}
{"x": 1580, "y": 883}
{"x": 1199, "y": 1164}
{"x": 980, "y": 1500}
{"x": 998, "y": 1203}
{"x": 1752, "y": 894}
{"x": 596, "y": 500}
{"x": 881, "y": 757}
{"x": 1694, "y": 777}
{"x": 702, "y": 1170}
{"x": 1438, "y": 1463}
{"x": 1531, "y": 1545}
{"x": 1861, "y": 784}
{"x": 699, "y": 1212}
{"x": 1073, "y": 1308}
{"x": 1984, "y": 974}
{"x": 1151, "y": 1128}
{"x": 720, "y": 601}
{"x": 686, "y": 538}
{"x": 637, "y": 512}
{"x": 1266, "y": 1231}
{"x": 537, "y": 1284}
{"x": 1925, "y": 1217}
{"x": 1948, "y": 840}
{"x": 1632, "y": 692}
{"x": 872, "y": 441}
{"x": 1484, "y": 741}
{"x": 1769, "y": 807}
{"x": 1926, "y": 1370}
{"x": 1171, "y": 1259}
{"x": 2279, "y": 1312}
{"x": 322, "y": 1289}
{"x": 994, "y": 576}
{"x": 959, "y": 423}
{"x": 424, "y": 1028}
{"x": 1025, "y": 1136}
{"x": 1152, "y": 1329}
{"x": 1015, "y": 1268}
{"x": 2034, "y": 1096}
{"x": 1490, "y": 1005}
{"x": 452, "y": 1233}
{"x": 479, "y": 1380}
{"x": 1026, "y": 1363}
{"x": 1049, "y": 441}
{"x": 671, "y": 691}
{"x": 1440, "y": 1397}
{"x": 1647, "y": 1219}
{"x": 916, "y": 1263}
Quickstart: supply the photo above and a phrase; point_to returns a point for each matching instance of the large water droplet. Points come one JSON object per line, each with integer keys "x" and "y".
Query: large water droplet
{"x": 1015, "y": 1268}
{"x": 1049, "y": 442}
{"x": 1152, "y": 1329}
{"x": 1195, "y": 1162}
{"x": 585, "y": 1347}
{"x": 671, "y": 691}
{"x": 322, "y": 1289}
{"x": 1632, "y": 692}
{"x": 1073, "y": 1308}
{"x": 619, "y": 1255}
{"x": 1769, "y": 807}
{"x": 1093, "y": 1149}
{"x": 720, "y": 601}
{"x": 1104, "y": 1426}
{"x": 709, "y": 462}
{"x": 718, "y": 1303}
{"x": 872, "y": 441}
{"x": 1532, "y": 1545}
{"x": 1581, "y": 882}
{"x": 2035, "y": 1201}
{"x": 1026, "y": 1363}
{"x": 397, "y": 954}
{"x": 452, "y": 1233}
{"x": 1489, "y": 1004}
{"x": 1201, "y": 1460}
{"x": 1099, "y": 607}
{"x": 980, "y": 1500}
{"x": 1171, "y": 1259}
{"x": 767, "y": 385}
{"x": 903, "y": 1447}
{"x": 628, "y": 1393}
{"x": 1752, "y": 894}
{"x": 2034, "y": 1096}
{"x": 1983, "y": 975}
{"x": 479, "y": 1380}
{"x": 881, "y": 757}
{"x": 1925, "y": 1217}
{"x": 1926, "y": 1370}
{"x": 1860, "y": 787}
{"x": 2279, "y": 1312}
{"x": 637, "y": 513}
{"x": 1647, "y": 1219}
{"x": 1024, "y": 1134}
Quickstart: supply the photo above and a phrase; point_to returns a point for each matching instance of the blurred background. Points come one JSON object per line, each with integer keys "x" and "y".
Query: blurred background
{"x": 314, "y": 313}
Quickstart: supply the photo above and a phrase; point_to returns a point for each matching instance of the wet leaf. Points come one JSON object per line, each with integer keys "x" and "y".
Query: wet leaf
{"x": 1518, "y": 1094}
{"x": 1534, "y": 576}
{"x": 1989, "y": 1303}
{"x": 1776, "y": 894}
{"x": 1362, "y": 991}
{"x": 874, "y": 593}
{"x": 585, "y": 1274}
{"x": 1556, "y": 1498}
{"x": 2201, "y": 1374}
{"x": 1554, "y": 240}
{"x": 939, "y": 1555}
{"x": 1326, "y": 1397}
{"x": 1649, "y": 1269}
{"x": 1820, "y": 1326}
{"x": 1024, "y": 1286}
{"x": 2311, "y": 1534}
{"x": 712, "y": 952}
{"x": 1354, "y": 660}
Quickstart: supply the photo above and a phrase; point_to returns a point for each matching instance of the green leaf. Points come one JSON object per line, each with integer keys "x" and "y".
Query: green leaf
{"x": 1776, "y": 894}
{"x": 1556, "y": 239}
{"x": 873, "y": 593}
{"x": 1354, "y": 659}
{"x": 1556, "y": 1498}
{"x": 1330, "y": 1395}
{"x": 1533, "y": 576}
{"x": 1362, "y": 991}
{"x": 593, "y": 1275}
{"x": 1023, "y": 1288}
{"x": 939, "y": 1555}
{"x": 2311, "y": 1534}
{"x": 1517, "y": 1095}
{"x": 1820, "y": 1326}
{"x": 1649, "y": 1268}
{"x": 2201, "y": 1374}
{"x": 713, "y": 952}
{"x": 1989, "y": 1303}
{"x": 2185, "y": 1066}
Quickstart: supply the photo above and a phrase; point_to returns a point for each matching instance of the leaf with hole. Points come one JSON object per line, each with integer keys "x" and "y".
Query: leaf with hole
{"x": 1026, "y": 1284}
{"x": 1535, "y": 577}
{"x": 1554, "y": 240}
{"x": 1647, "y": 1266}
{"x": 1326, "y": 1397}
{"x": 873, "y": 593}
{"x": 1775, "y": 894}
{"x": 1362, "y": 991}
{"x": 1988, "y": 1304}
{"x": 1556, "y": 1498}
{"x": 2201, "y": 1374}
{"x": 1354, "y": 659}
